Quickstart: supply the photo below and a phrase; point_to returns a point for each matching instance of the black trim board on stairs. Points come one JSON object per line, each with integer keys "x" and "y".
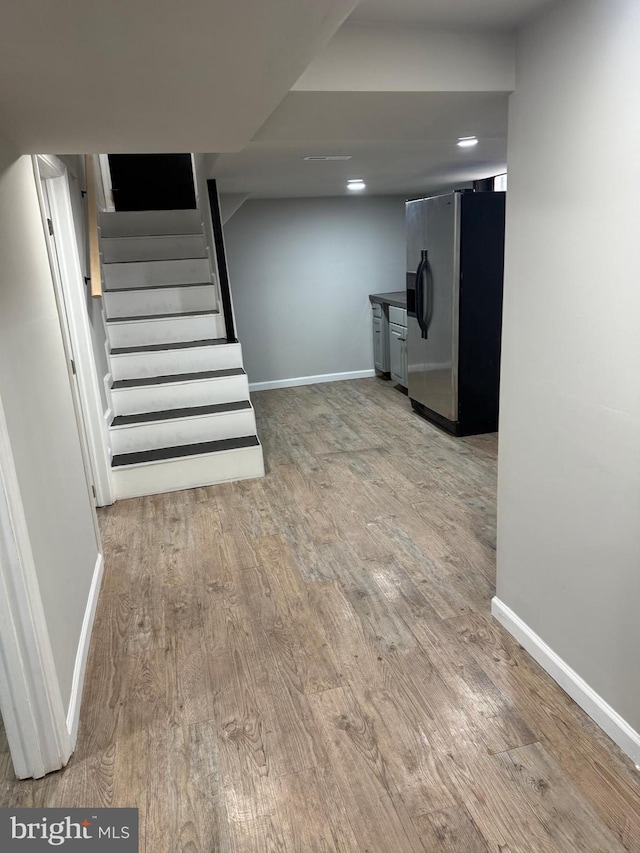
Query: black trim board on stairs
{"x": 209, "y": 342}
{"x": 153, "y": 236}
{"x": 157, "y": 287}
{"x": 190, "y": 412}
{"x": 144, "y": 236}
{"x": 163, "y": 453}
{"x": 161, "y": 316}
{"x": 158, "y": 260}
{"x": 221, "y": 259}
{"x": 150, "y": 260}
{"x": 177, "y": 377}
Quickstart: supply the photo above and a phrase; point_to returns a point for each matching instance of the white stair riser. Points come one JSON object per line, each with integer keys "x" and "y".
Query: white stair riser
{"x": 163, "y": 300}
{"x": 155, "y": 273}
{"x": 145, "y": 223}
{"x": 140, "y": 333}
{"x": 129, "y": 439}
{"x": 123, "y": 249}
{"x": 167, "y": 362}
{"x": 177, "y": 395}
{"x": 190, "y": 473}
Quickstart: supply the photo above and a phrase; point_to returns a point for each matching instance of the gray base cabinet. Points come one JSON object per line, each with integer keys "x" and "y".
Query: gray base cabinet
{"x": 380, "y": 339}
{"x": 398, "y": 366}
{"x": 398, "y": 354}
{"x": 390, "y": 354}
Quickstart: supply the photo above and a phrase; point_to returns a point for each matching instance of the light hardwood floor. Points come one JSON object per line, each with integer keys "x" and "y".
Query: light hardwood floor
{"x": 307, "y": 662}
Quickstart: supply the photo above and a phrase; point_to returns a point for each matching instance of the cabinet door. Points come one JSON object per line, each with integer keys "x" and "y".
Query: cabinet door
{"x": 378, "y": 344}
{"x": 405, "y": 362}
{"x": 396, "y": 349}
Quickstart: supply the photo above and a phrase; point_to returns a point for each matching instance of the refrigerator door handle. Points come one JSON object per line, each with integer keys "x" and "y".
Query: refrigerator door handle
{"x": 419, "y": 305}
{"x": 428, "y": 278}
{"x": 420, "y": 293}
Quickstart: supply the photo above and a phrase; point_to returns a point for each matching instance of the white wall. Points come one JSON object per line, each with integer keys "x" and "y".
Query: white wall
{"x": 36, "y": 397}
{"x": 569, "y": 470}
{"x": 301, "y": 271}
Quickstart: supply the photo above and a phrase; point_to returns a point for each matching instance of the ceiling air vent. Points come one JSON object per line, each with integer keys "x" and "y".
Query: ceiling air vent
{"x": 328, "y": 157}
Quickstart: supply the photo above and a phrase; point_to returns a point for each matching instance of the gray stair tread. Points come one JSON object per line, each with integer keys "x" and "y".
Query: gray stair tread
{"x": 209, "y": 342}
{"x": 190, "y": 412}
{"x": 157, "y": 286}
{"x": 182, "y": 450}
{"x": 161, "y": 316}
{"x": 177, "y": 377}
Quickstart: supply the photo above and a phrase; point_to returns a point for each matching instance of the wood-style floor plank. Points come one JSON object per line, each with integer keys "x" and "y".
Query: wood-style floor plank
{"x": 604, "y": 776}
{"x": 311, "y": 656}
{"x": 570, "y": 820}
{"x": 450, "y": 831}
{"x": 183, "y": 810}
{"x": 375, "y": 808}
{"x": 326, "y": 827}
{"x": 294, "y": 737}
{"x": 307, "y": 663}
{"x": 188, "y": 680}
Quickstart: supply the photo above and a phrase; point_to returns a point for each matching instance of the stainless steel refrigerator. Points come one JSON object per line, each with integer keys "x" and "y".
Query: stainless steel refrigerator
{"x": 455, "y": 262}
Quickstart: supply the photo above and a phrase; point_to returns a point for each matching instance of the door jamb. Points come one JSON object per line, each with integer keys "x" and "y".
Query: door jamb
{"x": 105, "y": 177}
{"x": 72, "y": 303}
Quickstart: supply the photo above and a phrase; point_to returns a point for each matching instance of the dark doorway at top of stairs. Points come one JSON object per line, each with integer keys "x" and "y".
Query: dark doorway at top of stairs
{"x": 152, "y": 181}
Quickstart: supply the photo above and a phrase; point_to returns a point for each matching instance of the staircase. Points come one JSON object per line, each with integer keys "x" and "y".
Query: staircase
{"x": 179, "y": 394}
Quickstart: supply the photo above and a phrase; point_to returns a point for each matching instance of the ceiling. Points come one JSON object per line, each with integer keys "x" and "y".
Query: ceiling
{"x": 474, "y": 14}
{"x": 214, "y": 76}
{"x": 400, "y": 143}
{"x": 152, "y": 75}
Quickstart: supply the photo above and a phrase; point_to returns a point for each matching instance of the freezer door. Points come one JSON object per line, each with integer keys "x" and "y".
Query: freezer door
{"x": 414, "y": 221}
{"x": 440, "y": 295}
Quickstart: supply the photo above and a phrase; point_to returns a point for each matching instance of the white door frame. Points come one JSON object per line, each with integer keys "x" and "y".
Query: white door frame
{"x": 41, "y": 736}
{"x": 71, "y": 298}
{"x": 105, "y": 182}
{"x": 30, "y": 701}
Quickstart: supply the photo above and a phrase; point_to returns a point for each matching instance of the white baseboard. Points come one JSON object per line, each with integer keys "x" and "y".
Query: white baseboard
{"x": 310, "y": 380}
{"x": 596, "y": 707}
{"x": 73, "y": 714}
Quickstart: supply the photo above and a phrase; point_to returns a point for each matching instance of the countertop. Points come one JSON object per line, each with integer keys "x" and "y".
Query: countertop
{"x": 398, "y": 298}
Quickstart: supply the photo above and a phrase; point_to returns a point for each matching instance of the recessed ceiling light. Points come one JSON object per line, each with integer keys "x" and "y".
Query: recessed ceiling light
{"x": 328, "y": 157}
{"x": 355, "y": 184}
{"x": 467, "y": 141}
